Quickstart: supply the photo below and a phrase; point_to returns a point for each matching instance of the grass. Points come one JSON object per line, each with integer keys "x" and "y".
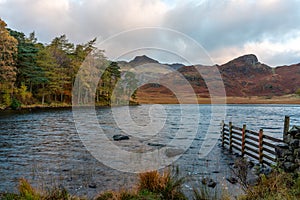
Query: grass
{"x": 128, "y": 195}
{"x": 276, "y": 186}
{"x": 203, "y": 193}
{"x": 167, "y": 185}
{"x": 153, "y": 185}
{"x": 206, "y": 193}
{"x": 27, "y": 192}
{"x": 240, "y": 170}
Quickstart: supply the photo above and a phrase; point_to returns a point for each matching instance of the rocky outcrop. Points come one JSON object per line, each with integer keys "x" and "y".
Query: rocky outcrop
{"x": 247, "y": 60}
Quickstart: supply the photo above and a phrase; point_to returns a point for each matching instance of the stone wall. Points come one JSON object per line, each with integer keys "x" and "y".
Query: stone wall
{"x": 288, "y": 152}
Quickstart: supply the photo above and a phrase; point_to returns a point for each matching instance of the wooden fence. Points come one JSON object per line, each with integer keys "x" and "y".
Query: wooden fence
{"x": 256, "y": 145}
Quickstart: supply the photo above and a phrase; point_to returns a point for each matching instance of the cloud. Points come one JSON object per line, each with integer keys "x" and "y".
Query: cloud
{"x": 44, "y": 17}
{"x": 81, "y": 20}
{"x": 165, "y": 45}
{"x": 277, "y": 52}
{"x": 226, "y": 29}
{"x": 232, "y": 25}
{"x": 216, "y": 23}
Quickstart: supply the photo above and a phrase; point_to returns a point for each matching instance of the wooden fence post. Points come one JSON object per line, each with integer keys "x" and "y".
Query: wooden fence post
{"x": 230, "y": 136}
{"x": 286, "y": 127}
{"x": 243, "y": 140}
{"x": 260, "y": 146}
{"x": 222, "y": 131}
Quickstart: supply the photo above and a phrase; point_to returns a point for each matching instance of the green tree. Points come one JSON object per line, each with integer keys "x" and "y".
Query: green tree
{"x": 88, "y": 77}
{"x": 61, "y": 49}
{"x": 28, "y": 72}
{"x": 131, "y": 84}
{"x": 23, "y": 95}
{"x": 8, "y": 52}
{"x": 79, "y": 55}
{"x": 125, "y": 91}
{"x": 31, "y": 70}
{"x": 47, "y": 62}
{"x": 108, "y": 81}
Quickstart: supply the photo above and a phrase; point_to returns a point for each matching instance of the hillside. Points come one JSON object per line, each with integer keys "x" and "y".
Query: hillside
{"x": 244, "y": 76}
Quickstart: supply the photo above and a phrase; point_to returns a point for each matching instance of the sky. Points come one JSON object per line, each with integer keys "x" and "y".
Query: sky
{"x": 226, "y": 29}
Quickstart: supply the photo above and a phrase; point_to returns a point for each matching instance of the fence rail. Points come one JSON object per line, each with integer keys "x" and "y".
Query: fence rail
{"x": 250, "y": 143}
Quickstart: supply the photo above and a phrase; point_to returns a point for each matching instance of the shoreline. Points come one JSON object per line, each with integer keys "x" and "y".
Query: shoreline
{"x": 54, "y": 106}
{"x": 289, "y": 99}
{"x": 284, "y": 100}
{"x": 279, "y": 100}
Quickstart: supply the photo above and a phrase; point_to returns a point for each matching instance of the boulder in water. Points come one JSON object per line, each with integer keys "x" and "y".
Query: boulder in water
{"x": 172, "y": 152}
{"x": 232, "y": 180}
{"x": 156, "y": 144}
{"x": 120, "y": 137}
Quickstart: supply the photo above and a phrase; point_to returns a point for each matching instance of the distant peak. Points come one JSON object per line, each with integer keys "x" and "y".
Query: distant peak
{"x": 250, "y": 59}
{"x": 142, "y": 60}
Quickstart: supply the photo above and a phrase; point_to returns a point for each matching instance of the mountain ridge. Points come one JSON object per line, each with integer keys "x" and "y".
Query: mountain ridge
{"x": 243, "y": 76}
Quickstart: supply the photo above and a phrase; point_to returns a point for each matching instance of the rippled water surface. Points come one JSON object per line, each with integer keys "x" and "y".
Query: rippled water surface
{"x": 44, "y": 146}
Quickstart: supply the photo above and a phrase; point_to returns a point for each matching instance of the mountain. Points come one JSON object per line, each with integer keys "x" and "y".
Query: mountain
{"x": 140, "y": 60}
{"x": 244, "y": 76}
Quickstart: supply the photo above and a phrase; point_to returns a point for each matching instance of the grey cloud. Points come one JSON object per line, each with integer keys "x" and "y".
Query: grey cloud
{"x": 283, "y": 58}
{"x": 218, "y": 24}
{"x": 45, "y": 18}
{"x": 162, "y": 44}
{"x": 79, "y": 20}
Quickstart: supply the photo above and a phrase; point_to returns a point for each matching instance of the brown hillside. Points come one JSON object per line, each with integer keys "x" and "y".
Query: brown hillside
{"x": 244, "y": 76}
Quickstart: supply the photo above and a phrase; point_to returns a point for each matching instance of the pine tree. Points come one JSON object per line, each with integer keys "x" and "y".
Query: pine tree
{"x": 61, "y": 49}
{"x": 28, "y": 72}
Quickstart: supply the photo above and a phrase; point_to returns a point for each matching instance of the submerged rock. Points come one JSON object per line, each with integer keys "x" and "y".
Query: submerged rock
{"x": 204, "y": 181}
{"x": 5, "y": 145}
{"x": 253, "y": 181}
{"x": 156, "y": 144}
{"x": 173, "y": 152}
{"x": 120, "y": 137}
{"x": 92, "y": 185}
{"x": 232, "y": 180}
{"x": 209, "y": 182}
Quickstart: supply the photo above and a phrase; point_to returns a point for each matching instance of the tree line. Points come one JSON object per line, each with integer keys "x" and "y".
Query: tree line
{"x": 36, "y": 73}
